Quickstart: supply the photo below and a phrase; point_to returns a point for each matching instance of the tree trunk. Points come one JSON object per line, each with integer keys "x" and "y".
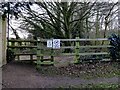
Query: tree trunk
{"x": 97, "y": 27}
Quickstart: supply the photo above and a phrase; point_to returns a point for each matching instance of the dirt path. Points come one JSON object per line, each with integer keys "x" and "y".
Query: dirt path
{"x": 20, "y": 75}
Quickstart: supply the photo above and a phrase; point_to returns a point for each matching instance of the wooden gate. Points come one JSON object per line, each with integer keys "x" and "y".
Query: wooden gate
{"x": 76, "y": 47}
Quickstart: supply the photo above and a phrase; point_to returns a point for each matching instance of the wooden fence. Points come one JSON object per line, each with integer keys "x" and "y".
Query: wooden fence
{"x": 23, "y": 48}
{"x": 75, "y": 46}
{"x": 78, "y": 50}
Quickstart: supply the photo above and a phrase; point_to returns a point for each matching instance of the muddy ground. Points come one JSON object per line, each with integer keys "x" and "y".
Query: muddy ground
{"x": 25, "y": 75}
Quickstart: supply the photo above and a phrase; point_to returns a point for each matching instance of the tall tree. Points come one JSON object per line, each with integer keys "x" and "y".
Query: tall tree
{"x": 119, "y": 17}
{"x": 58, "y": 20}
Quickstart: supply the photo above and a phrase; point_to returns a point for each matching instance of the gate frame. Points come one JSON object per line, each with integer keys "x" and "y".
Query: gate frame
{"x": 76, "y": 47}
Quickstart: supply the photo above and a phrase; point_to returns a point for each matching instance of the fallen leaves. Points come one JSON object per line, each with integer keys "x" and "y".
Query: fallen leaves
{"x": 84, "y": 70}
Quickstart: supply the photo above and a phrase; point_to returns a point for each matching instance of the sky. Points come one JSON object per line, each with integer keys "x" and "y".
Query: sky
{"x": 57, "y": 0}
{"x": 16, "y": 23}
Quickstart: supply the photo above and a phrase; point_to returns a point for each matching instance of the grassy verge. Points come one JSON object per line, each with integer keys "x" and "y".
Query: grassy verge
{"x": 93, "y": 87}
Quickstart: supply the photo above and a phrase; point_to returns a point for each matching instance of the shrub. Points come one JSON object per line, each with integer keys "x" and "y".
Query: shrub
{"x": 115, "y": 49}
{"x": 10, "y": 55}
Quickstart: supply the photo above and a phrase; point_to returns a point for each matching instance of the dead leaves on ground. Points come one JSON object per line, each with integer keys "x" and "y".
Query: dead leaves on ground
{"x": 84, "y": 70}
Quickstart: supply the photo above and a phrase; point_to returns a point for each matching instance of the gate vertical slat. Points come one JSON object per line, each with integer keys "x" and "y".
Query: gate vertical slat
{"x": 39, "y": 52}
{"x": 18, "y": 50}
{"x": 52, "y": 53}
{"x": 77, "y": 47}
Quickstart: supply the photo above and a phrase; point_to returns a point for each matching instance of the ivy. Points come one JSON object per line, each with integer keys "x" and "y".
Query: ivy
{"x": 115, "y": 49}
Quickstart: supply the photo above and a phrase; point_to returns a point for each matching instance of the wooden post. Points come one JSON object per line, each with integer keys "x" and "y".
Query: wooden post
{"x": 1, "y": 57}
{"x": 19, "y": 50}
{"x": 18, "y": 57}
{"x": 39, "y": 53}
{"x": 15, "y": 50}
{"x": 3, "y": 46}
{"x": 77, "y": 47}
{"x": 52, "y": 55}
{"x": 13, "y": 44}
{"x": 4, "y": 40}
{"x": 31, "y": 58}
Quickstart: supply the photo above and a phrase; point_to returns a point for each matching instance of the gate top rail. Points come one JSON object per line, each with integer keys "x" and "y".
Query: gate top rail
{"x": 97, "y": 39}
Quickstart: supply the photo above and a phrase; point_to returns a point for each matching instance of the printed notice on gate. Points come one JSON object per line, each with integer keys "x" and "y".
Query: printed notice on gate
{"x": 49, "y": 43}
{"x": 56, "y": 43}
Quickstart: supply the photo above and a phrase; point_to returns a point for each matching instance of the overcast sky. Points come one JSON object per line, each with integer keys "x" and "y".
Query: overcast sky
{"x": 59, "y": 0}
{"x": 16, "y": 23}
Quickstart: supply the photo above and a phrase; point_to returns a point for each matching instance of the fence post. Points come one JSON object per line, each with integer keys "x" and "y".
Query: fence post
{"x": 52, "y": 53}
{"x": 39, "y": 53}
{"x": 77, "y": 47}
{"x": 13, "y": 44}
{"x": 18, "y": 49}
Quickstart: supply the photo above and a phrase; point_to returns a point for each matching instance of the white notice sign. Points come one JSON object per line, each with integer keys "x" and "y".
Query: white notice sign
{"x": 49, "y": 43}
{"x": 56, "y": 43}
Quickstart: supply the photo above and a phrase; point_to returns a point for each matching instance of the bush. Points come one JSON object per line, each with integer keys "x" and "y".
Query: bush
{"x": 115, "y": 49}
{"x": 10, "y": 55}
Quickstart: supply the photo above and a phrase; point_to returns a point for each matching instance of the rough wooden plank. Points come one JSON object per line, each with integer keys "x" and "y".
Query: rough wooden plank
{"x": 25, "y": 54}
{"x": 67, "y": 47}
{"x": 4, "y": 24}
{"x": 28, "y": 60}
{"x": 96, "y": 39}
{"x": 106, "y": 59}
{"x": 83, "y": 54}
{"x": 97, "y": 53}
{"x": 77, "y": 47}
{"x": 62, "y": 47}
{"x": 68, "y": 54}
{"x": 44, "y": 62}
{"x": 65, "y": 54}
{"x": 98, "y": 46}
{"x": 43, "y": 40}
{"x": 72, "y": 47}
{"x": 14, "y": 40}
{"x": 22, "y": 46}
{"x": 1, "y": 43}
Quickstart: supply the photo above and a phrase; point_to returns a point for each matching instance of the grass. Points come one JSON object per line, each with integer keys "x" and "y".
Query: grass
{"x": 93, "y": 87}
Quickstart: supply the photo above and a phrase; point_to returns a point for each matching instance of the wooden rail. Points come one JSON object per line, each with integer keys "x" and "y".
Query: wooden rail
{"x": 76, "y": 48}
{"x": 40, "y": 47}
{"x": 73, "y": 47}
{"x": 20, "y": 46}
{"x": 77, "y": 39}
